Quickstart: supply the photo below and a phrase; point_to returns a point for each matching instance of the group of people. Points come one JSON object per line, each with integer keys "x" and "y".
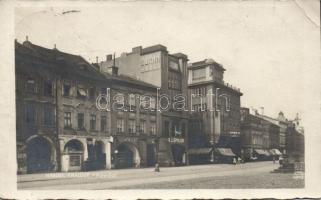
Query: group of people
{"x": 237, "y": 160}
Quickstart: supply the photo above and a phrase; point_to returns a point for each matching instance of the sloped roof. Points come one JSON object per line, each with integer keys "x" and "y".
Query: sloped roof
{"x": 72, "y": 63}
{"x": 60, "y": 61}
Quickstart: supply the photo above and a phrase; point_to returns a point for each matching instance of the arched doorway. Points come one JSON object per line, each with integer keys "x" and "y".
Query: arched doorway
{"x": 39, "y": 155}
{"x": 75, "y": 150}
{"x": 127, "y": 156}
{"x": 178, "y": 152}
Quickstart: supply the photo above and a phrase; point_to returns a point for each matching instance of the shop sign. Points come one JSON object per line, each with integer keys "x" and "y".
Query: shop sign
{"x": 176, "y": 140}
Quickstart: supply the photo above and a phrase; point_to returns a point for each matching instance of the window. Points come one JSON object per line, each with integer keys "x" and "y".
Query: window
{"x": 198, "y": 74}
{"x": 142, "y": 127}
{"x": 81, "y": 120}
{"x": 81, "y": 92}
{"x": 67, "y": 119}
{"x": 153, "y": 103}
{"x": 120, "y": 125}
{"x": 132, "y": 100}
{"x": 166, "y": 131}
{"x": 30, "y": 112}
{"x": 131, "y": 126}
{"x": 31, "y": 85}
{"x": 153, "y": 129}
{"x": 48, "y": 88}
{"x": 48, "y": 112}
{"x": 103, "y": 90}
{"x": 103, "y": 123}
{"x": 92, "y": 122}
{"x": 66, "y": 89}
{"x": 92, "y": 94}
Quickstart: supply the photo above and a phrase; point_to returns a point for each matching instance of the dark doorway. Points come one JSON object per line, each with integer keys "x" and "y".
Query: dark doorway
{"x": 39, "y": 156}
{"x": 151, "y": 155}
{"x": 100, "y": 155}
{"x": 178, "y": 153}
{"x": 124, "y": 157}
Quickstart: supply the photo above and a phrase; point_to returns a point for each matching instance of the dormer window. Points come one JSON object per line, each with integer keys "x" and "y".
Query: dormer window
{"x": 66, "y": 88}
{"x": 81, "y": 92}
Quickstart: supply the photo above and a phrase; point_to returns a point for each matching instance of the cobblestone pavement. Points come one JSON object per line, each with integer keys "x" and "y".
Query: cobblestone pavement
{"x": 248, "y": 175}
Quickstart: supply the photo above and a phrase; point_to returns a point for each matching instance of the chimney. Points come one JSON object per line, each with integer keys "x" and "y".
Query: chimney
{"x": 114, "y": 68}
{"x": 55, "y": 47}
{"x": 137, "y": 49}
{"x": 109, "y": 57}
{"x": 27, "y": 38}
{"x": 96, "y": 59}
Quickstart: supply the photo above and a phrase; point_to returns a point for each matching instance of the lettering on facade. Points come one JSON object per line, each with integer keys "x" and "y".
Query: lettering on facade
{"x": 150, "y": 62}
{"x": 176, "y": 140}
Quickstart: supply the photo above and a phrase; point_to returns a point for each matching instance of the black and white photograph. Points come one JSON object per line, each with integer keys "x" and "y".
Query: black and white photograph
{"x": 164, "y": 96}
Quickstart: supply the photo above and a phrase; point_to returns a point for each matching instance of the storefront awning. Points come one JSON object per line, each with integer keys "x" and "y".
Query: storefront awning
{"x": 260, "y": 152}
{"x": 272, "y": 152}
{"x": 225, "y": 151}
{"x": 277, "y": 152}
{"x": 199, "y": 151}
{"x": 267, "y": 153}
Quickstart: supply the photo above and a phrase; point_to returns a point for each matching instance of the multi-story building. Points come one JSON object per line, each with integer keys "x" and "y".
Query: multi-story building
{"x": 168, "y": 72}
{"x": 215, "y": 108}
{"x": 283, "y": 123}
{"x": 255, "y": 136}
{"x": 60, "y": 127}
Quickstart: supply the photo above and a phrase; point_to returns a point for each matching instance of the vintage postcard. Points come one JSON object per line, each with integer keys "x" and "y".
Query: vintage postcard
{"x": 164, "y": 99}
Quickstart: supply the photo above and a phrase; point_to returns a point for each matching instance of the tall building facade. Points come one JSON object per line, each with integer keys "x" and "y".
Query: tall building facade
{"x": 60, "y": 126}
{"x": 168, "y": 72}
{"x": 215, "y": 113}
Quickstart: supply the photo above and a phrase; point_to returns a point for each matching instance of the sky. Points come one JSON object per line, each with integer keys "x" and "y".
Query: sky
{"x": 270, "y": 49}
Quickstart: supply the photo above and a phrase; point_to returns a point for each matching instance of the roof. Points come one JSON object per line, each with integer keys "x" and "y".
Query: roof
{"x": 59, "y": 61}
{"x": 222, "y": 84}
{"x": 129, "y": 80}
{"x": 180, "y": 55}
{"x": 206, "y": 62}
{"x": 72, "y": 63}
{"x": 154, "y": 48}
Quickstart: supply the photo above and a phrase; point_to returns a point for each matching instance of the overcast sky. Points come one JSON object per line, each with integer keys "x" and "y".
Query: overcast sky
{"x": 269, "y": 48}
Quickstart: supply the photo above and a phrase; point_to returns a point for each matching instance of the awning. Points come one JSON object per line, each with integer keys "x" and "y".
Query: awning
{"x": 272, "y": 152}
{"x": 225, "y": 151}
{"x": 277, "y": 152}
{"x": 199, "y": 151}
{"x": 82, "y": 92}
{"x": 260, "y": 152}
{"x": 267, "y": 153}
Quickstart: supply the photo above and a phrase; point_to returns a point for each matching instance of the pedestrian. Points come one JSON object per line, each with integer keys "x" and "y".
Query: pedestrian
{"x": 157, "y": 168}
{"x": 273, "y": 159}
{"x": 234, "y": 161}
{"x": 239, "y": 160}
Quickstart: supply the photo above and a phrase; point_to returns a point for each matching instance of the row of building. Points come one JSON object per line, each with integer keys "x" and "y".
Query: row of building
{"x": 62, "y": 124}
